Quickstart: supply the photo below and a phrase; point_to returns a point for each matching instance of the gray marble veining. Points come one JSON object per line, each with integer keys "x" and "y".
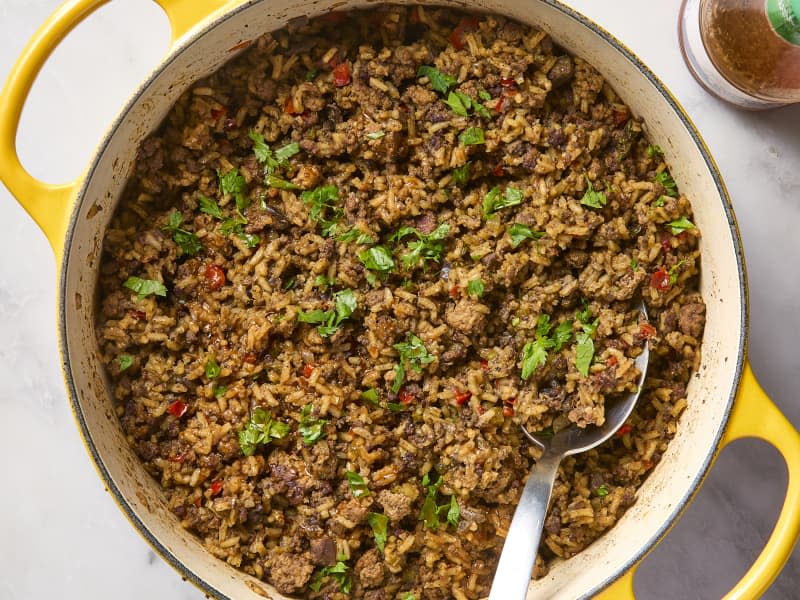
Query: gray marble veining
{"x": 62, "y": 536}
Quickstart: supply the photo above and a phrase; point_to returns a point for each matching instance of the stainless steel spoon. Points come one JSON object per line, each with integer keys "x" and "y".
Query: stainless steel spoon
{"x": 513, "y": 575}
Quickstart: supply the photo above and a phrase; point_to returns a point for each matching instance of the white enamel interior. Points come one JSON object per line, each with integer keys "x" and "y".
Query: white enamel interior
{"x": 673, "y": 480}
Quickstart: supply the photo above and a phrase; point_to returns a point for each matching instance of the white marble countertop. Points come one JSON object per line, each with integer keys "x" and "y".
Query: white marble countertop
{"x": 62, "y": 536}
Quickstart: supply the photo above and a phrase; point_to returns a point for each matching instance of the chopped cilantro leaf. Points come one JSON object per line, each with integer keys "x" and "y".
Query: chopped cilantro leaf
{"x": 233, "y": 184}
{"x": 413, "y": 354}
{"x": 472, "y": 137}
{"x": 665, "y": 179}
{"x": 212, "y": 369}
{"x": 125, "y": 361}
{"x": 460, "y": 175}
{"x": 440, "y": 82}
{"x": 379, "y": 524}
{"x": 680, "y": 225}
{"x": 261, "y": 428}
{"x": 145, "y": 287}
{"x": 187, "y": 241}
{"x": 654, "y": 150}
{"x": 475, "y": 288}
{"x": 593, "y": 198}
{"x": 357, "y": 484}
{"x": 377, "y": 258}
{"x": 311, "y": 428}
{"x": 519, "y": 233}
{"x": 210, "y": 207}
{"x": 495, "y": 200}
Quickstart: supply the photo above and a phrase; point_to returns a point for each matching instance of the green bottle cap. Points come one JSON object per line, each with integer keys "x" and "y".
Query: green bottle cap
{"x": 785, "y": 18}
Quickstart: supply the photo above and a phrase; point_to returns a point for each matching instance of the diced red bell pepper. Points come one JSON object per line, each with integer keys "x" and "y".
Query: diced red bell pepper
{"x": 463, "y": 397}
{"x": 484, "y": 364}
{"x": 508, "y": 411}
{"x": 647, "y": 331}
{"x": 624, "y": 430}
{"x": 660, "y": 280}
{"x": 457, "y": 36}
{"x": 216, "y": 488}
{"x": 177, "y": 408}
{"x": 341, "y": 74}
{"x": 406, "y": 397}
{"x": 499, "y": 171}
{"x": 308, "y": 370}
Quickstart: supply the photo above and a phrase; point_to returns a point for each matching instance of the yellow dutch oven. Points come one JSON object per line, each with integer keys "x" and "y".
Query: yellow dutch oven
{"x": 725, "y": 400}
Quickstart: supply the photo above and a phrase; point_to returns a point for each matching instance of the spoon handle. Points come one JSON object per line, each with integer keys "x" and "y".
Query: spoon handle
{"x": 513, "y": 575}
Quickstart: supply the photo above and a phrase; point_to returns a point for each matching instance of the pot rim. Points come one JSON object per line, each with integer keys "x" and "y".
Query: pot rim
{"x": 183, "y": 569}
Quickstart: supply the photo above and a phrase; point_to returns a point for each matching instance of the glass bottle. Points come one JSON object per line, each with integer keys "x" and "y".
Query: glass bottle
{"x": 746, "y": 52}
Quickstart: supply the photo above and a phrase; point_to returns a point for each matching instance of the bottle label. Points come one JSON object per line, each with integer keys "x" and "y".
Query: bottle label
{"x": 785, "y": 18}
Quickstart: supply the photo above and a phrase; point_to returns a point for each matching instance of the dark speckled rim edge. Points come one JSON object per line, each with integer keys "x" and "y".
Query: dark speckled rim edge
{"x": 189, "y": 575}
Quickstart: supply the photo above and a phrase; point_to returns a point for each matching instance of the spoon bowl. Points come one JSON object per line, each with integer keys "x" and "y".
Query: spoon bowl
{"x": 513, "y": 574}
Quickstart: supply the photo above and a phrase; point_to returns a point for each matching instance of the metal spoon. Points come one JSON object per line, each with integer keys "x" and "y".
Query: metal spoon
{"x": 513, "y": 575}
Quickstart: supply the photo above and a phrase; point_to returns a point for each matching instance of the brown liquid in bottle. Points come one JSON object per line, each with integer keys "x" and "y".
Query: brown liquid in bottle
{"x": 747, "y": 50}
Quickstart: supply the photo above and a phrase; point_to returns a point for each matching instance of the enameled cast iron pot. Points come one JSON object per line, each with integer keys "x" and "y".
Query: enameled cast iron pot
{"x": 725, "y": 401}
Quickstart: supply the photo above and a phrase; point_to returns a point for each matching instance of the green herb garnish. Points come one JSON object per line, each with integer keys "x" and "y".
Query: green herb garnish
{"x": 654, "y": 150}
{"x": 660, "y": 201}
{"x": 371, "y": 396}
{"x": 276, "y": 182}
{"x": 680, "y": 225}
{"x": 675, "y": 270}
{"x": 311, "y": 428}
{"x": 380, "y": 525}
{"x": 219, "y": 390}
{"x": 233, "y": 184}
{"x": 210, "y": 207}
{"x": 339, "y": 574}
{"x": 413, "y": 354}
{"x": 355, "y": 235}
{"x": 323, "y": 207}
{"x": 440, "y": 82}
{"x": 496, "y": 200}
{"x": 311, "y": 74}
{"x": 665, "y": 179}
{"x": 427, "y": 246}
{"x": 375, "y": 135}
{"x": 125, "y": 361}
{"x": 519, "y": 233}
{"x": 145, "y": 287}
{"x": 593, "y": 198}
{"x": 260, "y": 429}
{"x": 324, "y": 282}
{"x": 235, "y": 226}
{"x": 534, "y": 354}
{"x": 431, "y": 510}
{"x": 562, "y": 335}
{"x": 357, "y": 484}
{"x": 634, "y": 264}
{"x": 272, "y": 160}
{"x": 212, "y": 368}
{"x": 460, "y": 175}
{"x": 461, "y": 104}
{"x": 187, "y": 241}
{"x": 377, "y": 258}
{"x": 345, "y": 304}
{"x": 475, "y": 288}
{"x": 584, "y": 351}
{"x": 472, "y": 137}
{"x": 602, "y": 491}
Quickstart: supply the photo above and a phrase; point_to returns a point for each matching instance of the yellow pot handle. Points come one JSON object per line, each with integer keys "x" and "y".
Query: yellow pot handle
{"x": 48, "y": 204}
{"x": 754, "y": 415}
